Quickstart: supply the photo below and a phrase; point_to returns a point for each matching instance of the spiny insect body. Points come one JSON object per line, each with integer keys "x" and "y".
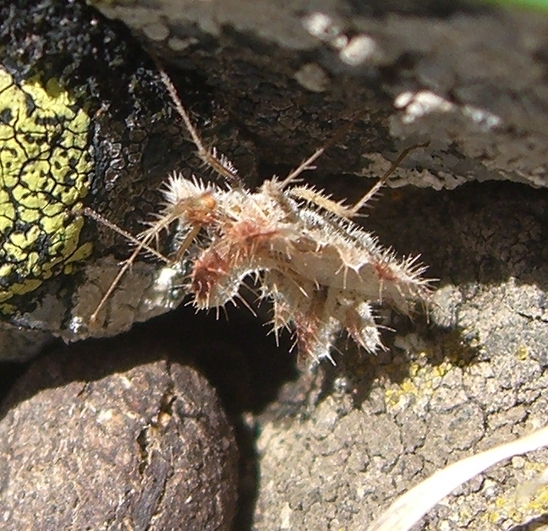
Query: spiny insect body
{"x": 321, "y": 271}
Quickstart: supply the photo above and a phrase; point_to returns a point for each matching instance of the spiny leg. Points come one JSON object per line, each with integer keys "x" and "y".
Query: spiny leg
{"x": 353, "y": 211}
{"x": 218, "y": 164}
{"x": 306, "y": 164}
{"x": 339, "y": 208}
{"x": 187, "y": 242}
{"x": 114, "y": 283}
{"x": 128, "y": 236}
{"x": 320, "y": 199}
{"x": 143, "y": 243}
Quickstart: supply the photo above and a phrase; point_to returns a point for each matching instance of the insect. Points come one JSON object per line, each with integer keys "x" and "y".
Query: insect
{"x": 321, "y": 271}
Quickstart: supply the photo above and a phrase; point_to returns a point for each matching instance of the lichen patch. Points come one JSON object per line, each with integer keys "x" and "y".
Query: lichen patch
{"x": 45, "y": 169}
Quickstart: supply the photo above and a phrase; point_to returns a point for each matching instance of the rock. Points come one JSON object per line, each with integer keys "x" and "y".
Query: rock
{"x": 112, "y": 435}
{"x": 468, "y": 77}
{"x": 443, "y": 74}
{"x": 268, "y": 86}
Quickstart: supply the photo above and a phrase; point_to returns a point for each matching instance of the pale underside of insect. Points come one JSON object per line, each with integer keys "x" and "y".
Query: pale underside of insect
{"x": 322, "y": 272}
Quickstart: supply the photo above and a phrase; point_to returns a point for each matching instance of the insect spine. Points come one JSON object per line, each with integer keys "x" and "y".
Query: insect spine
{"x": 321, "y": 271}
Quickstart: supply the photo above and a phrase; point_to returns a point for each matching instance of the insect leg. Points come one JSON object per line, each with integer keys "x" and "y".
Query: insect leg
{"x": 354, "y": 210}
{"x": 128, "y": 236}
{"x": 218, "y": 163}
{"x": 306, "y": 164}
{"x": 143, "y": 243}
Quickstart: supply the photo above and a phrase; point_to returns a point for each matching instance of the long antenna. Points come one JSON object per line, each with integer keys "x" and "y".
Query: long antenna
{"x": 382, "y": 181}
{"x": 218, "y": 163}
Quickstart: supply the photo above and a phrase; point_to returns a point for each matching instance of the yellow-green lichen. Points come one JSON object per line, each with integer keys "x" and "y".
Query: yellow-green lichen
{"x": 422, "y": 380}
{"x": 519, "y": 506}
{"x": 45, "y": 169}
{"x": 522, "y": 353}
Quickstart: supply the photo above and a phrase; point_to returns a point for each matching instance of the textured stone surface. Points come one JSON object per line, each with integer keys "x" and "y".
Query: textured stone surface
{"x": 469, "y": 77}
{"x": 471, "y": 378}
{"x": 341, "y": 466}
{"x": 106, "y": 436}
{"x": 53, "y": 159}
{"x": 270, "y": 86}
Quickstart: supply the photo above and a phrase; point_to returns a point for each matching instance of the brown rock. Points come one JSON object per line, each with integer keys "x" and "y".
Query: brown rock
{"x": 115, "y": 435}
